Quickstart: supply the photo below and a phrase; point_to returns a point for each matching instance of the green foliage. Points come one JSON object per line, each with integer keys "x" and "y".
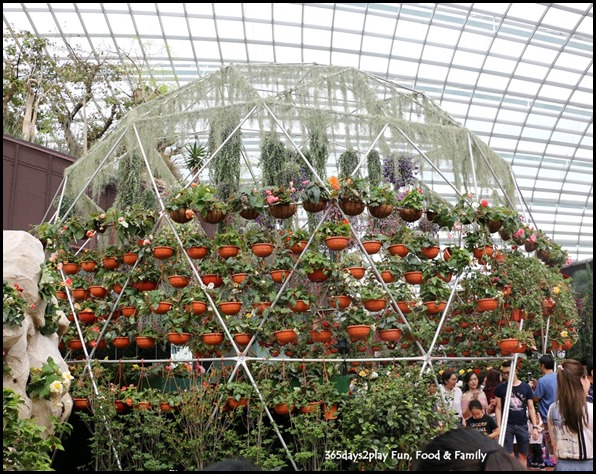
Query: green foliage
{"x": 224, "y": 168}
{"x": 373, "y": 161}
{"x": 47, "y": 379}
{"x": 273, "y": 156}
{"x": 395, "y": 414}
{"x": 27, "y": 446}
{"x": 14, "y": 305}
{"x": 413, "y": 199}
{"x": 347, "y": 163}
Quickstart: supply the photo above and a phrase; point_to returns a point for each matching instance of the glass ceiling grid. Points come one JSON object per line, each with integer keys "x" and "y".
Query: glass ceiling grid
{"x": 556, "y": 42}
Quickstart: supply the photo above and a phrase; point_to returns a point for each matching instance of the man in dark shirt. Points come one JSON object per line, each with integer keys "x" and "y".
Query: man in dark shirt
{"x": 480, "y": 421}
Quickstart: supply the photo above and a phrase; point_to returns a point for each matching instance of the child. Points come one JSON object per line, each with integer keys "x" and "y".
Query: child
{"x": 535, "y": 458}
{"x": 480, "y": 421}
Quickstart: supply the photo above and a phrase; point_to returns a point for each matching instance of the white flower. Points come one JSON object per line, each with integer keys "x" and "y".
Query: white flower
{"x": 67, "y": 376}
{"x": 56, "y": 387}
{"x": 373, "y": 375}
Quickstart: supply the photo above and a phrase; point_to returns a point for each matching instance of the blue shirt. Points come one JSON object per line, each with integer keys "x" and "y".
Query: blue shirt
{"x": 546, "y": 390}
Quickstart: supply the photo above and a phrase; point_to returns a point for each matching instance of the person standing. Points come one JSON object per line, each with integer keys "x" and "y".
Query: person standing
{"x": 545, "y": 395}
{"x": 493, "y": 379}
{"x": 480, "y": 421}
{"x": 571, "y": 419}
{"x": 471, "y": 392}
{"x": 521, "y": 405}
{"x": 451, "y": 394}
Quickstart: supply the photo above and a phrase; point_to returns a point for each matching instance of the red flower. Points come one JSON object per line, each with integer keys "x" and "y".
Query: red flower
{"x": 484, "y": 203}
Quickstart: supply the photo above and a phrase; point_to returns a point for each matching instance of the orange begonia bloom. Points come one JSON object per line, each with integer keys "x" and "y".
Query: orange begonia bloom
{"x": 334, "y": 182}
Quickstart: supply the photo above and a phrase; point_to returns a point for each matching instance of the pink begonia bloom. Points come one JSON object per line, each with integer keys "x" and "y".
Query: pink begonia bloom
{"x": 146, "y": 242}
{"x": 449, "y": 235}
{"x": 120, "y": 219}
{"x": 271, "y": 199}
{"x": 267, "y": 192}
{"x": 53, "y": 257}
{"x": 305, "y": 182}
{"x": 200, "y": 369}
{"x": 519, "y": 233}
{"x": 59, "y": 266}
{"x": 532, "y": 238}
{"x": 255, "y": 190}
{"x": 569, "y": 261}
{"x": 484, "y": 203}
{"x": 457, "y": 227}
{"x": 293, "y": 190}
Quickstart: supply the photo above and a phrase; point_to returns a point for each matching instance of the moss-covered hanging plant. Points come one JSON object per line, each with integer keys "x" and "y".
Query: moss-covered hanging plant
{"x": 273, "y": 157}
{"x": 347, "y": 163}
{"x": 373, "y": 161}
{"x": 224, "y": 168}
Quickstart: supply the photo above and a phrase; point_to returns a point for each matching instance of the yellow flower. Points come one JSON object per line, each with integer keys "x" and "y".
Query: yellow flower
{"x": 564, "y": 333}
{"x": 56, "y": 387}
{"x": 249, "y": 315}
{"x": 462, "y": 371}
{"x": 362, "y": 373}
{"x": 441, "y": 372}
{"x": 469, "y": 370}
{"x": 556, "y": 290}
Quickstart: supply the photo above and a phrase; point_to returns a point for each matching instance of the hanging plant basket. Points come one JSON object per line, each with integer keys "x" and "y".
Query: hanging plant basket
{"x": 530, "y": 246}
{"x": 70, "y": 268}
{"x": 358, "y": 332}
{"x": 110, "y": 263}
{"x": 414, "y": 277}
{"x": 283, "y": 409}
{"x": 162, "y": 307}
{"x": 163, "y": 252}
{"x": 381, "y": 211}
{"x": 242, "y": 338}
{"x": 504, "y": 234}
{"x": 262, "y": 249}
{"x": 87, "y": 317}
{"x": 337, "y": 243}
{"x": 230, "y": 307}
{"x": 494, "y": 226}
{"x": 323, "y": 335}
{"x": 340, "y": 302}
{"x": 285, "y": 336}
{"x": 179, "y": 281}
{"x": 432, "y": 307}
{"x": 372, "y": 246}
{"x": 357, "y": 272}
{"x": 317, "y": 276}
{"x": 298, "y": 247}
{"x": 212, "y": 278}
{"x": 249, "y": 213}
{"x": 121, "y": 342}
{"x": 81, "y": 403}
{"x": 179, "y": 339}
{"x": 406, "y": 306}
{"x": 213, "y": 339}
{"x": 98, "y": 291}
{"x": 430, "y": 252}
{"x": 128, "y": 311}
{"x": 197, "y": 253}
{"x": 75, "y": 345}
{"x": 214, "y": 216}
{"x": 279, "y": 276}
{"x": 182, "y": 216}
{"x": 398, "y": 249}
{"x": 196, "y": 307}
{"x": 144, "y": 342}
{"x": 351, "y": 208}
{"x": 375, "y": 304}
{"x": 410, "y": 215}
{"x": 130, "y": 258}
{"x": 508, "y": 345}
{"x": 300, "y": 306}
{"x": 481, "y": 252}
{"x": 261, "y": 306}
{"x": 227, "y": 251}
{"x": 145, "y": 285}
{"x": 283, "y": 211}
{"x": 239, "y": 277}
{"x": 80, "y": 293}
{"x": 390, "y": 334}
{"x": 88, "y": 266}
{"x": 313, "y": 207}
{"x": 487, "y": 304}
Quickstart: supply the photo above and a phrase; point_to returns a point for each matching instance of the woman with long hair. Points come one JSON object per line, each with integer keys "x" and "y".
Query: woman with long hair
{"x": 472, "y": 391}
{"x": 493, "y": 378}
{"x": 571, "y": 419}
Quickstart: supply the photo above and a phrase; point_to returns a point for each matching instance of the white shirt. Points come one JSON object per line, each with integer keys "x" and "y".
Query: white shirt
{"x": 571, "y": 445}
{"x": 452, "y": 399}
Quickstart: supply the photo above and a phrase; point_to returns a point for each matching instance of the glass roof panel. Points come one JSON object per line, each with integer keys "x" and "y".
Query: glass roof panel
{"x": 518, "y": 75}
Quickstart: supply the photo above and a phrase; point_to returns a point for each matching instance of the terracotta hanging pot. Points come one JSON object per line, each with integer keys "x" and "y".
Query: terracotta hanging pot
{"x": 372, "y": 246}
{"x": 285, "y": 336}
{"x": 406, "y": 306}
{"x": 179, "y": 339}
{"x": 98, "y": 291}
{"x": 337, "y": 243}
{"x": 128, "y": 311}
{"x": 298, "y": 247}
{"x": 283, "y": 409}
{"x": 162, "y": 252}
{"x": 414, "y": 277}
{"x": 390, "y": 334}
{"x": 311, "y": 407}
{"x": 487, "y": 304}
{"x": 430, "y": 252}
{"x": 197, "y": 253}
{"x": 230, "y": 307}
{"x": 481, "y": 252}
{"x": 80, "y": 293}
{"x": 239, "y": 277}
{"x": 227, "y": 251}
{"x": 70, "y": 268}
{"x": 509, "y": 345}
{"x": 121, "y": 342}
{"x": 300, "y": 306}
{"x": 75, "y": 345}
{"x": 212, "y": 278}
{"x": 357, "y": 272}
{"x": 398, "y": 249}
{"x": 279, "y": 276}
{"x": 79, "y": 403}
{"x": 196, "y": 307}
{"x": 110, "y": 263}
{"x": 262, "y": 249}
{"x": 162, "y": 307}
{"x": 323, "y": 335}
{"x": 145, "y": 285}
{"x": 375, "y": 305}
{"x": 179, "y": 281}
{"x": 358, "y": 332}
{"x": 86, "y": 317}
{"x": 317, "y": 276}
{"x": 242, "y": 339}
{"x": 340, "y": 302}
{"x": 213, "y": 339}
{"x": 144, "y": 342}
{"x": 88, "y": 266}
{"x": 432, "y": 307}
{"x": 130, "y": 258}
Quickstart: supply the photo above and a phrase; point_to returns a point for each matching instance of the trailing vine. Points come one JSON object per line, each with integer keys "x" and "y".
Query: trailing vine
{"x": 347, "y": 163}
{"x": 225, "y": 167}
{"x": 373, "y": 161}
{"x": 273, "y": 155}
